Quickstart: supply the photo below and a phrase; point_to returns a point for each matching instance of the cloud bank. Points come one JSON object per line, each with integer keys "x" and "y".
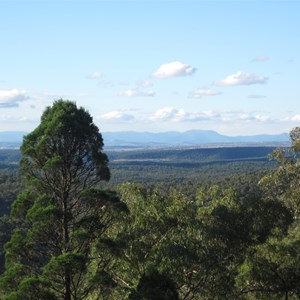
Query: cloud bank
{"x": 168, "y": 114}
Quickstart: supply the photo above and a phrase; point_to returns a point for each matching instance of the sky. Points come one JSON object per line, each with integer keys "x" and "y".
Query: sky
{"x": 228, "y": 66}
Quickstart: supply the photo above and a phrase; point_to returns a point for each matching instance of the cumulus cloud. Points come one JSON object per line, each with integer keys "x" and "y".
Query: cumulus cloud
{"x": 115, "y": 116}
{"x": 180, "y": 115}
{"x": 95, "y": 75}
{"x": 11, "y": 98}
{"x": 242, "y": 78}
{"x": 166, "y": 114}
{"x": 136, "y": 93}
{"x": 260, "y": 58}
{"x": 174, "y": 69}
{"x": 199, "y": 93}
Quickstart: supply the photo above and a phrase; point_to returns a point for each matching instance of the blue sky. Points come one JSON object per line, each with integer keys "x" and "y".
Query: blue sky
{"x": 229, "y": 66}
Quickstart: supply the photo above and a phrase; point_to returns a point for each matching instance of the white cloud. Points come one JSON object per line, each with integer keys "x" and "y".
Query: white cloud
{"x": 253, "y": 117}
{"x": 165, "y": 114}
{"x": 201, "y": 116}
{"x": 242, "y": 78}
{"x": 236, "y": 116}
{"x": 174, "y": 69}
{"x": 294, "y": 118}
{"x": 180, "y": 115}
{"x": 136, "y": 93}
{"x": 199, "y": 93}
{"x": 260, "y": 58}
{"x": 115, "y": 116}
{"x": 170, "y": 114}
{"x": 11, "y": 98}
{"x": 95, "y": 75}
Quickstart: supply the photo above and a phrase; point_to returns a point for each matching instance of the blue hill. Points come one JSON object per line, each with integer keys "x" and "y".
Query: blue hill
{"x": 161, "y": 139}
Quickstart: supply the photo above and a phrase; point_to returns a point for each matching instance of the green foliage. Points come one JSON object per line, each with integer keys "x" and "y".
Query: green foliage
{"x": 197, "y": 243}
{"x": 213, "y": 237}
{"x": 295, "y": 139}
{"x": 156, "y": 172}
{"x": 271, "y": 269}
{"x": 10, "y": 186}
{"x": 283, "y": 183}
{"x": 60, "y": 215}
{"x": 65, "y": 145}
{"x": 153, "y": 286}
{"x": 31, "y": 288}
{"x": 154, "y": 235}
{"x": 274, "y": 268}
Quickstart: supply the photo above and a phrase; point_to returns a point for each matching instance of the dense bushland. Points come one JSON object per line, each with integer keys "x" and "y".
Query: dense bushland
{"x": 69, "y": 235}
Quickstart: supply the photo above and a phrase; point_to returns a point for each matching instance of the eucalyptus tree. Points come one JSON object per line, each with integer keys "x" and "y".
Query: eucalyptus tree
{"x": 230, "y": 228}
{"x": 271, "y": 270}
{"x": 156, "y": 242}
{"x": 60, "y": 214}
{"x": 283, "y": 183}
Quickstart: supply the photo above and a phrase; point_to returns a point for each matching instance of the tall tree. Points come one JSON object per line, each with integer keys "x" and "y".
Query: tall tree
{"x": 271, "y": 270}
{"x": 60, "y": 213}
{"x": 283, "y": 183}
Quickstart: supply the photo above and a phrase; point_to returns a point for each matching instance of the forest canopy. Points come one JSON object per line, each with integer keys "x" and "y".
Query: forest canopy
{"x": 71, "y": 236}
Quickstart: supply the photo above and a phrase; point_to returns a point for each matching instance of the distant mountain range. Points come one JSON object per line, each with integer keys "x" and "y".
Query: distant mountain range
{"x": 163, "y": 139}
{"x": 188, "y": 138}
